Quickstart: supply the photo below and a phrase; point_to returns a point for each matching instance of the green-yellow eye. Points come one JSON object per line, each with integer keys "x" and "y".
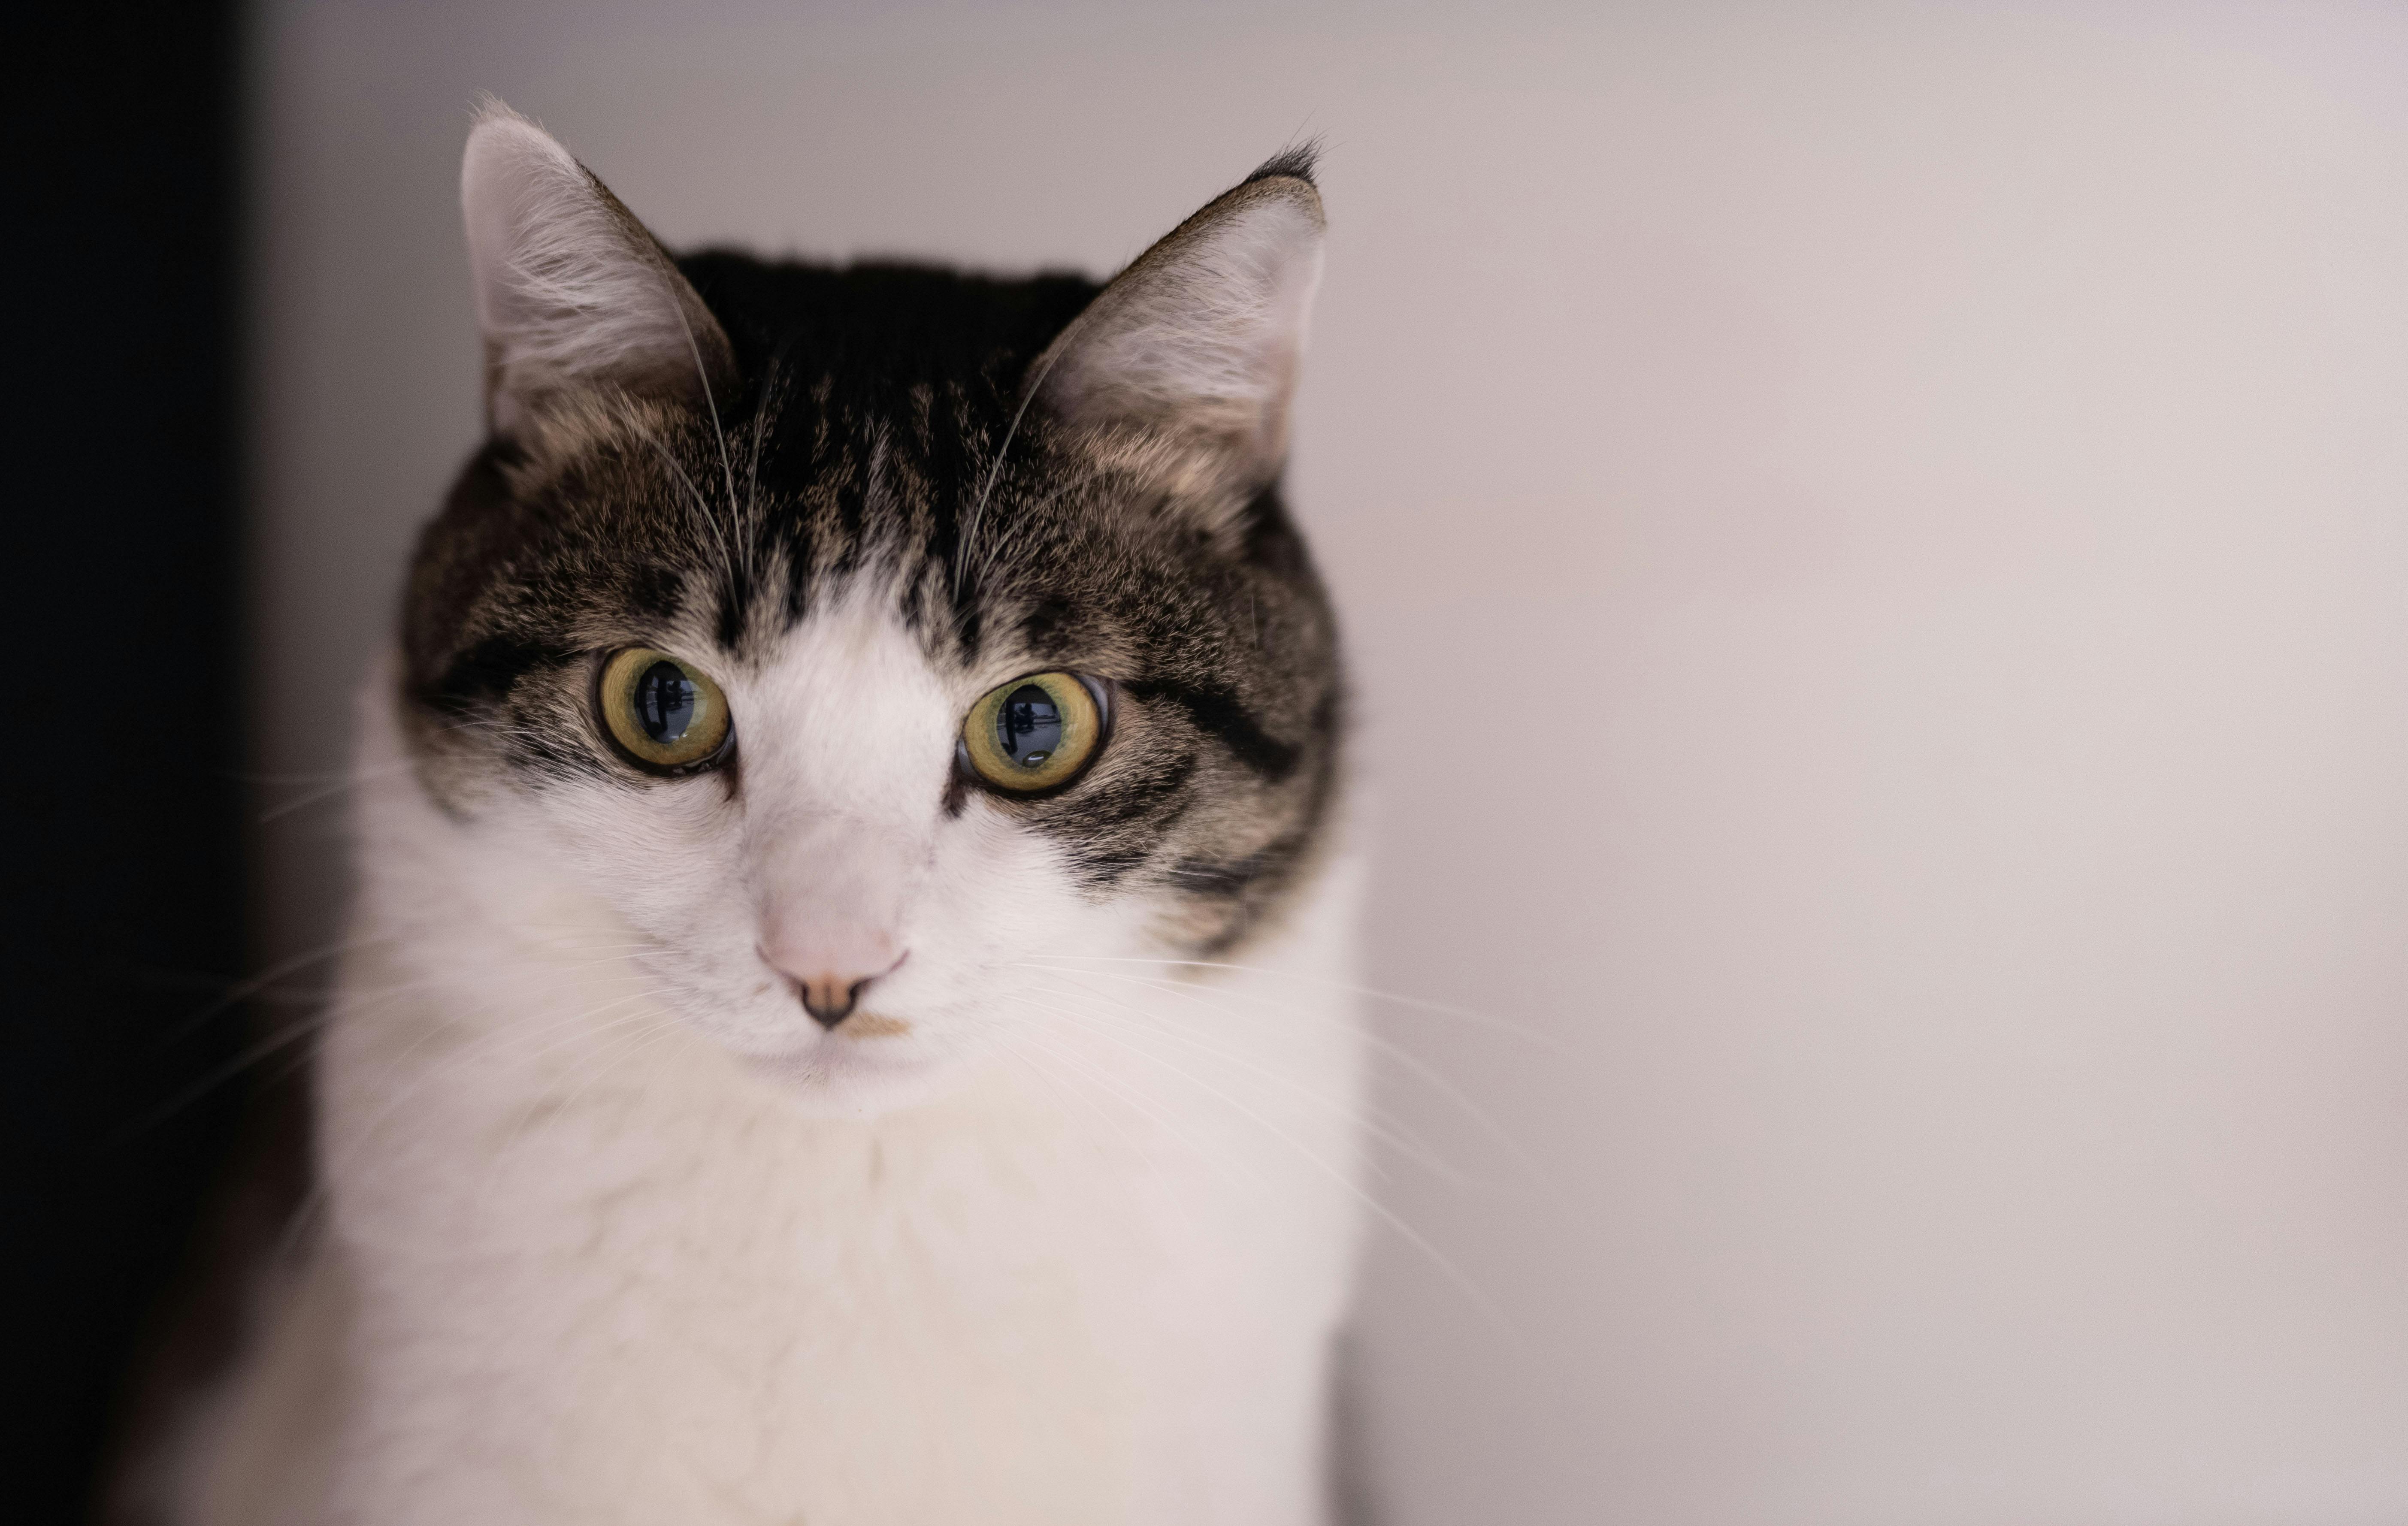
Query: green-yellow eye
{"x": 664, "y": 713}
{"x": 1033, "y": 734}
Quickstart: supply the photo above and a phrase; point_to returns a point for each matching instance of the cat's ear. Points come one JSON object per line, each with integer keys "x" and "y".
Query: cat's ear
{"x": 1201, "y": 335}
{"x": 572, "y": 291}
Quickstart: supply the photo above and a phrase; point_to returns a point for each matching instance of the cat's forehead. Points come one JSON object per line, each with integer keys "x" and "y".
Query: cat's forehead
{"x": 850, "y": 694}
{"x": 856, "y": 650}
{"x": 740, "y": 529}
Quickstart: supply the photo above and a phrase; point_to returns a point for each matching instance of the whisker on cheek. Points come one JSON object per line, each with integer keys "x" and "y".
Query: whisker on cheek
{"x": 1531, "y": 1169}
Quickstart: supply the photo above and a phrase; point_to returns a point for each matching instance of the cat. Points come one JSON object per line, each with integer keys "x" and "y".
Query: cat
{"x": 847, "y": 1015}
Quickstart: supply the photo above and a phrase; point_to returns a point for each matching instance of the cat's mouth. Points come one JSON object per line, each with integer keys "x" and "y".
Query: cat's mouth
{"x": 872, "y": 1060}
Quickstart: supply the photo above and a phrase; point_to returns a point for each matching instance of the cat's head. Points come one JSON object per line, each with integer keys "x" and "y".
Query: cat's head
{"x": 869, "y": 637}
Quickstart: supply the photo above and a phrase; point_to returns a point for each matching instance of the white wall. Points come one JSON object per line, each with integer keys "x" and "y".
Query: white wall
{"x": 1874, "y": 547}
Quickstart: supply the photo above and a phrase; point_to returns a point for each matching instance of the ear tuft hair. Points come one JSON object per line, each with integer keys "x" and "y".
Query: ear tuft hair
{"x": 1294, "y": 162}
{"x": 572, "y": 291}
{"x": 1198, "y": 341}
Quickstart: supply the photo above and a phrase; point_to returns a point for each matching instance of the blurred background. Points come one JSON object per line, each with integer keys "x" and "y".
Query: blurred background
{"x": 1875, "y": 540}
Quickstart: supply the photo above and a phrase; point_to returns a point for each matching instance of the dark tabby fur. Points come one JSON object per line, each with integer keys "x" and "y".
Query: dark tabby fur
{"x": 872, "y": 439}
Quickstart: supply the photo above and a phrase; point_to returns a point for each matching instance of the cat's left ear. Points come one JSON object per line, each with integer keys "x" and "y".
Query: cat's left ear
{"x": 1200, "y": 337}
{"x": 572, "y": 293}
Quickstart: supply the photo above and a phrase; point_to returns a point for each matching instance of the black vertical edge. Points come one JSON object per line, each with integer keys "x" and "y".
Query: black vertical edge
{"x": 123, "y": 699}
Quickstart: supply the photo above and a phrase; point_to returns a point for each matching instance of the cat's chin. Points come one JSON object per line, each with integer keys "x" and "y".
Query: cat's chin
{"x": 843, "y": 1076}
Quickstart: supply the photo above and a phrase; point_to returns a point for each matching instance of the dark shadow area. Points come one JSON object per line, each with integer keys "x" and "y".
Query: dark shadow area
{"x": 1354, "y": 1495}
{"x": 125, "y": 697}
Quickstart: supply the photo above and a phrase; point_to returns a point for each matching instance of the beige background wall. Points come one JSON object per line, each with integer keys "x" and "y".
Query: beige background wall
{"x": 1876, "y": 546}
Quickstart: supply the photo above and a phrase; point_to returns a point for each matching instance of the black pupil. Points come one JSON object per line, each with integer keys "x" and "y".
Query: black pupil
{"x": 1028, "y": 727}
{"x": 665, "y": 699}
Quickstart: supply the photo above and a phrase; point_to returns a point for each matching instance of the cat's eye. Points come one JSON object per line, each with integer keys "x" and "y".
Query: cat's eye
{"x": 664, "y": 714}
{"x": 1034, "y": 733}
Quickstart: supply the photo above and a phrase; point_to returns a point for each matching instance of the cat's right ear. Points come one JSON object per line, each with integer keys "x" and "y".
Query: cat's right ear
{"x": 572, "y": 293}
{"x": 1198, "y": 341}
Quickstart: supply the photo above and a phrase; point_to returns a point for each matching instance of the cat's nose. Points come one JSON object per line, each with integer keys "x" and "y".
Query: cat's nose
{"x": 832, "y": 969}
{"x": 831, "y": 998}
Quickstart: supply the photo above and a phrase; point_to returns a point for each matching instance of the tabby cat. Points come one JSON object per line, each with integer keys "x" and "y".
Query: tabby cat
{"x": 845, "y": 1019}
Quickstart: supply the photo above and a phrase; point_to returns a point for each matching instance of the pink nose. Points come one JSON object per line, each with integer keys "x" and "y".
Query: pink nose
{"x": 830, "y": 967}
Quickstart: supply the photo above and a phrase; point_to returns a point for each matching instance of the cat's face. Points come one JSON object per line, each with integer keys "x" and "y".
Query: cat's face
{"x": 750, "y": 624}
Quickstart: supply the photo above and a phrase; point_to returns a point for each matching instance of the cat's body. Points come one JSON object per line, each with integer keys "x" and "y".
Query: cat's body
{"x": 830, "y": 1128}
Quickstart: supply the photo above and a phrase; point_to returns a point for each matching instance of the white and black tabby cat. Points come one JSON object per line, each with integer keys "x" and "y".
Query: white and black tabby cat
{"x": 847, "y": 1018}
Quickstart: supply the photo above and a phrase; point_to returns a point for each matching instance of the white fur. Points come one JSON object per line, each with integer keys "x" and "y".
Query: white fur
{"x": 615, "y": 1234}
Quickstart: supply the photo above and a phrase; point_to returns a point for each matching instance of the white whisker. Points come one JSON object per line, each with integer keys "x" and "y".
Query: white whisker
{"x": 1414, "y": 1003}
{"x": 1412, "y": 1063}
{"x": 1355, "y": 1114}
{"x": 1436, "y": 1259}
